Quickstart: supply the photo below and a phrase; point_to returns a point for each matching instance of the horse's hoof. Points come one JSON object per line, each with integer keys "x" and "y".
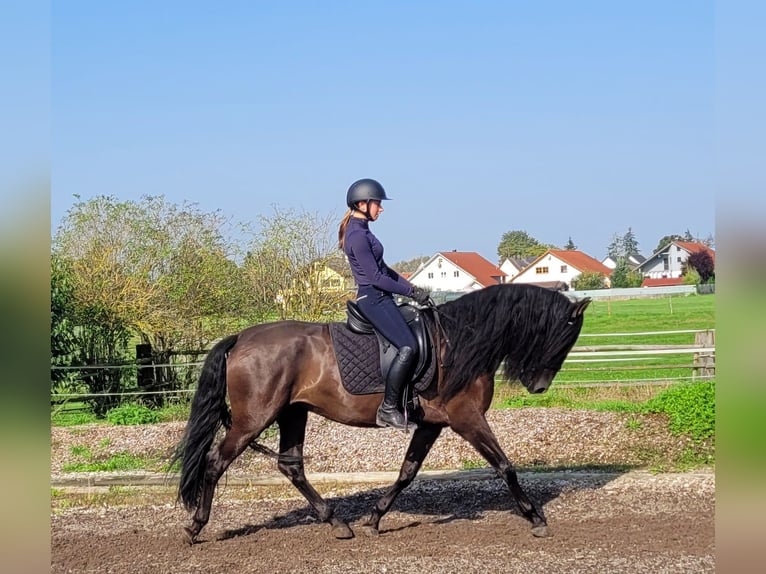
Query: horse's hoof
{"x": 370, "y": 531}
{"x": 188, "y": 536}
{"x": 342, "y": 532}
{"x": 540, "y": 531}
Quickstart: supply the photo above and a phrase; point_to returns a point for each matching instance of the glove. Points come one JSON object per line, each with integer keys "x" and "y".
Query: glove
{"x": 420, "y": 295}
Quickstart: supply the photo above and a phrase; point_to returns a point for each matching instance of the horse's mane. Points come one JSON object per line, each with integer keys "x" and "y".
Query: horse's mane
{"x": 512, "y": 324}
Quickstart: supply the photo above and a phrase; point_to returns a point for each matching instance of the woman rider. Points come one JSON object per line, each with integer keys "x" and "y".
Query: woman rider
{"x": 376, "y": 284}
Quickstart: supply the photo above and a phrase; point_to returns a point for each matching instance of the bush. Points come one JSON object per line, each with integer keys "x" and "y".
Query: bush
{"x": 690, "y": 408}
{"x": 132, "y": 414}
{"x": 589, "y": 280}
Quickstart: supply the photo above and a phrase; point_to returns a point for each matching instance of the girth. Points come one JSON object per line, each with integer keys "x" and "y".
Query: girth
{"x": 358, "y": 323}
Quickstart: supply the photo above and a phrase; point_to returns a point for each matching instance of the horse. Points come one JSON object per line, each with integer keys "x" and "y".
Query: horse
{"x": 281, "y": 371}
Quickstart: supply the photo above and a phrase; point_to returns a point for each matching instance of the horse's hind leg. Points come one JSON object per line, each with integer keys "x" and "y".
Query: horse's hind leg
{"x": 218, "y": 460}
{"x": 422, "y": 440}
{"x": 476, "y": 431}
{"x": 292, "y": 433}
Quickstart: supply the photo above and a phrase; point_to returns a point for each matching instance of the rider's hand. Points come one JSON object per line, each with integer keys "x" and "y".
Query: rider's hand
{"x": 420, "y": 295}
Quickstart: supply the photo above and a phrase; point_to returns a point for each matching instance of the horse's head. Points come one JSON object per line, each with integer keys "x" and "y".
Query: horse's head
{"x": 538, "y": 372}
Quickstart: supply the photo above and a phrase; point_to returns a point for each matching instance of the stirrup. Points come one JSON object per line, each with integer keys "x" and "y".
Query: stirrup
{"x": 392, "y": 418}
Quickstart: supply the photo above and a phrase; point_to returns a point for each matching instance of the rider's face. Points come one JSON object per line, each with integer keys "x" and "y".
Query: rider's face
{"x": 374, "y": 208}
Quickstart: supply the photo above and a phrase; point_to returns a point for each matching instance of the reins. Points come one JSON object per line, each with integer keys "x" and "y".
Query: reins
{"x": 440, "y": 330}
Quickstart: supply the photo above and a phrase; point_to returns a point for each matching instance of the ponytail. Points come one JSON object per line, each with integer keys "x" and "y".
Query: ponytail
{"x": 342, "y": 229}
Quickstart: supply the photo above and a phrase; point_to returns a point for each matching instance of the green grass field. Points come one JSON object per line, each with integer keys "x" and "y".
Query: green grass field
{"x": 618, "y": 319}
{"x": 645, "y": 315}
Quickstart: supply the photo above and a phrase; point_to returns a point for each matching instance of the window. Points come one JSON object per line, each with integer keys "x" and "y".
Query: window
{"x": 456, "y": 274}
{"x": 665, "y": 264}
{"x": 678, "y": 259}
{"x": 541, "y": 270}
{"x": 443, "y": 274}
{"x": 430, "y": 275}
{"x": 563, "y": 268}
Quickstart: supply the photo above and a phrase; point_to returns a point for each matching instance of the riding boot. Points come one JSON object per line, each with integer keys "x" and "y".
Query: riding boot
{"x": 389, "y": 413}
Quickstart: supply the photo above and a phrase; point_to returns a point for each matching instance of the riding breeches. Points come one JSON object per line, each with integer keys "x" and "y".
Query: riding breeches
{"x": 379, "y": 308}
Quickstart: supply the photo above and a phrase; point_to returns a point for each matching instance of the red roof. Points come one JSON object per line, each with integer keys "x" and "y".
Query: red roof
{"x": 694, "y": 247}
{"x": 579, "y": 261}
{"x": 662, "y": 281}
{"x": 471, "y": 262}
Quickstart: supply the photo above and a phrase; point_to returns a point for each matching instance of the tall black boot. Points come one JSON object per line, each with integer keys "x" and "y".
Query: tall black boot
{"x": 389, "y": 413}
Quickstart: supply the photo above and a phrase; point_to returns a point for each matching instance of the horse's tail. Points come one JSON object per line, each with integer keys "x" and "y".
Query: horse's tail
{"x": 208, "y": 413}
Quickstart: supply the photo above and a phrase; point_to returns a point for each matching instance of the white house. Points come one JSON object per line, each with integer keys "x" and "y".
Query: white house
{"x": 556, "y": 267}
{"x": 457, "y": 271}
{"x": 512, "y": 266}
{"x": 669, "y": 261}
{"x": 634, "y": 261}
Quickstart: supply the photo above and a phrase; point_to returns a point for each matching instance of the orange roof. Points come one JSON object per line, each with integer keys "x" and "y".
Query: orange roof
{"x": 471, "y": 262}
{"x": 662, "y": 281}
{"x": 579, "y": 261}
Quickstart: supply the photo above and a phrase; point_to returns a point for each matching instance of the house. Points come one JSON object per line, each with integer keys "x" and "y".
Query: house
{"x": 334, "y": 275}
{"x": 634, "y": 261}
{"x": 457, "y": 271}
{"x": 512, "y": 266}
{"x": 670, "y": 260}
{"x": 557, "y": 267}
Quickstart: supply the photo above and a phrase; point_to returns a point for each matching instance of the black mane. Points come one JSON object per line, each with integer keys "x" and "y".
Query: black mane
{"x": 513, "y": 324}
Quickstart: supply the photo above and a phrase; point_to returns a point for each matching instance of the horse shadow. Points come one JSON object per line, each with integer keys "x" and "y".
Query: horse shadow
{"x": 444, "y": 501}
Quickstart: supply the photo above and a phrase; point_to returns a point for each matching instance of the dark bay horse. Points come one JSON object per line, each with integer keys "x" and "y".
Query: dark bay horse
{"x": 279, "y": 372}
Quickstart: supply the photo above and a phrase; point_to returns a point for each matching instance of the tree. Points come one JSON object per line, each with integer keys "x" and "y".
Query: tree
{"x": 623, "y": 276}
{"x": 520, "y": 244}
{"x": 589, "y": 280}
{"x": 570, "y": 246}
{"x": 702, "y": 263}
{"x": 411, "y": 265}
{"x": 630, "y": 243}
{"x": 284, "y": 266}
{"x": 666, "y": 240}
{"x": 156, "y": 268}
{"x": 63, "y": 337}
{"x": 623, "y": 246}
{"x": 615, "y": 248}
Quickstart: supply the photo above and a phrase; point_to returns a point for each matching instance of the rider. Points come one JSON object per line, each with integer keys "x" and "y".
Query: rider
{"x": 376, "y": 284}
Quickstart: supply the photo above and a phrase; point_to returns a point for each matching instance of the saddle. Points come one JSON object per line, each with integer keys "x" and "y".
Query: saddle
{"x": 364, "y": 356}
{"x": 358, "y": 323}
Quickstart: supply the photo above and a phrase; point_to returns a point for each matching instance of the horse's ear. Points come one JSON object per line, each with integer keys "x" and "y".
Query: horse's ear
{"x": 580, "y": 306}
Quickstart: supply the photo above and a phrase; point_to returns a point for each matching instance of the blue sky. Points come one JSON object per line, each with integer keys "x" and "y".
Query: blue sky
{"x": 563, "y": 119}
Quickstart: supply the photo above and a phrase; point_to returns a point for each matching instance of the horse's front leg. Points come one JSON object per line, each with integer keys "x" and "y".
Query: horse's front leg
{"x": 292, "y": 433}
{"x": 477, "y": 432}
{"x": 422, "y": 440}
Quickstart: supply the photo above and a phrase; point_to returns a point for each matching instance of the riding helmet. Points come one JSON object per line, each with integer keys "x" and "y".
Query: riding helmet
{"x": 364, "y": 190}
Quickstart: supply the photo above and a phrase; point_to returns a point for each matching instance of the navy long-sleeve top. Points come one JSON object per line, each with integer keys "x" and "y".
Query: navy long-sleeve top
{"x": 365, "y": 256}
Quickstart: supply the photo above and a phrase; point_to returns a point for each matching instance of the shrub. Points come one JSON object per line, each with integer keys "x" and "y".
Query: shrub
{"x": 690, "y": 408}
{"x": 132, "y": 414}
{"x": 589, "y": 280}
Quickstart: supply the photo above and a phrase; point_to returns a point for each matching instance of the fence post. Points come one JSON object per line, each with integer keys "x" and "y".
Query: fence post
{"x": 704, "y": 363}
{"x": 145, "y": 374}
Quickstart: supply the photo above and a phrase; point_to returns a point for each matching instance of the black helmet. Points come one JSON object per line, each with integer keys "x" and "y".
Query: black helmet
{"x": 364, "y": 190}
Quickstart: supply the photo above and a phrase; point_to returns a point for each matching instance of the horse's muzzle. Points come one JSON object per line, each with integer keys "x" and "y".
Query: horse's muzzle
{"x": 541, "y": 384}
